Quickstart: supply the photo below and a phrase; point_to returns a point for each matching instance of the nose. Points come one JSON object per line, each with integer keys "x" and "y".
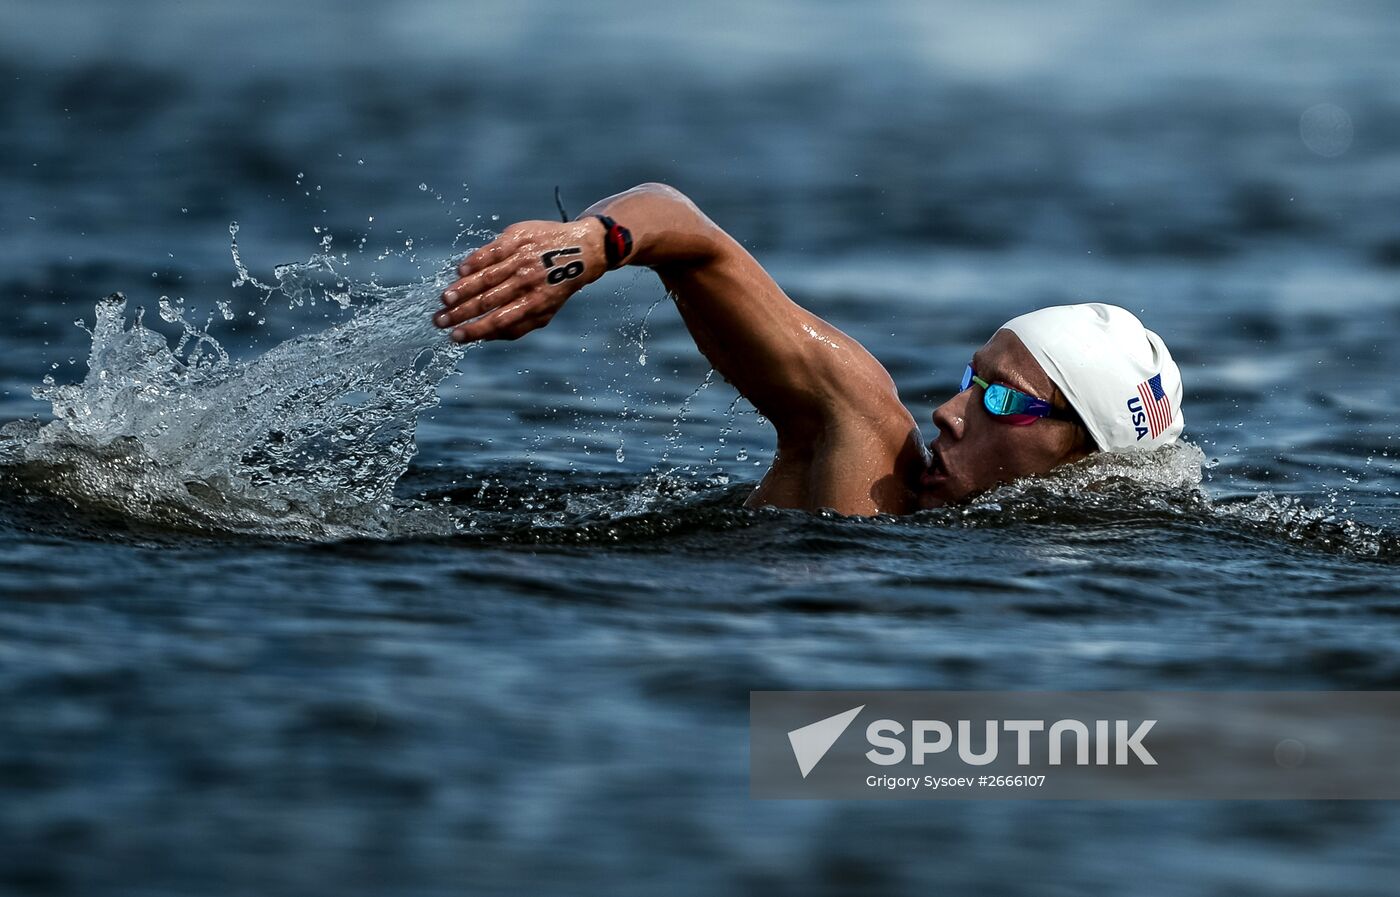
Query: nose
{"x": 951, "y": 417}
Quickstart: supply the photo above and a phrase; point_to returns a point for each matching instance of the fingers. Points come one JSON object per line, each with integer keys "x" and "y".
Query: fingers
{"x": 479, "y": 293}
{"x": 504, "y": 293}
{"x": 485, "y": 268}
{"x": 481, "y": 279}
{"x": 509, "y": 322}
{"x": 498, "y": 250}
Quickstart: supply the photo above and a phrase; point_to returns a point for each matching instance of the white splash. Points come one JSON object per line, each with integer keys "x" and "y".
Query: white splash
{"x": 304, "y": 441}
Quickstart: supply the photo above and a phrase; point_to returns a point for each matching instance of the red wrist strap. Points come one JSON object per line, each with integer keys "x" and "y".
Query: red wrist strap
{"x": 617, "y": 242}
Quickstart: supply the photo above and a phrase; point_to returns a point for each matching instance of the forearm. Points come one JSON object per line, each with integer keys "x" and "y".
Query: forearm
{"x": 762, "y": 342}
{"x": 667, "y": 229}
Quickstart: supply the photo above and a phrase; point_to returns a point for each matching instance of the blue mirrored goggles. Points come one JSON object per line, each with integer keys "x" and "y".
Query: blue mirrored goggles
{"x": 1011, "y": 405}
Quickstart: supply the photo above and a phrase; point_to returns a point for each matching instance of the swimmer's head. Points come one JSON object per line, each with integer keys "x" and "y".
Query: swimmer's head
{"x": 1108, "y": 384}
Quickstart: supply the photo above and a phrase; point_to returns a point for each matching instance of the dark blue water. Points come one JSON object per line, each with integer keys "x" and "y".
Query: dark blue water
{"x": 504, "y": 644}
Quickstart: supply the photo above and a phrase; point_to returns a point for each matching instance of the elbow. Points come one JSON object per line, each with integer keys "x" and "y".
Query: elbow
{"x": 670, "y": 196}
{"x": 702, "y": 240}
{"x": 656, "y": 188}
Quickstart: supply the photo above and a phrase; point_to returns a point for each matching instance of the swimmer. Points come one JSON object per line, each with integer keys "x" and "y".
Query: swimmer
{"x": 1049, "y": 387}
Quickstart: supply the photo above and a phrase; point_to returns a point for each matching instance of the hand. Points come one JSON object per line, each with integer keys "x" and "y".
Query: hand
{"x": 517, "y": 282}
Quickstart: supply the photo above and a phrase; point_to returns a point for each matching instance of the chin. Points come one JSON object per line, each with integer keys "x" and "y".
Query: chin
{"x": 948, "y": 492}
{"x": 930, "y": 500}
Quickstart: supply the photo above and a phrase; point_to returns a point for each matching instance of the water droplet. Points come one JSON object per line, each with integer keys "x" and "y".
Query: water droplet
{"x": 171, "y": 312}
{"x": 423, "y": 187}
{"x": 620, "y": 456}
{"x": 1326, "y": 129}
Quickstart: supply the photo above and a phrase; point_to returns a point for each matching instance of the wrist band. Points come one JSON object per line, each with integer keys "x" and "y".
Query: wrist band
{"x": 617, "y": 242}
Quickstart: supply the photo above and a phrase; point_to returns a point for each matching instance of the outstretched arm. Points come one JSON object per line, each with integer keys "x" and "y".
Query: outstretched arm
{"x": 800, "y": 372}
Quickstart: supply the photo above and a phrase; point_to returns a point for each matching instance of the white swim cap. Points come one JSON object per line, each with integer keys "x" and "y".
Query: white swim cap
{"x": 1116, "y": 374}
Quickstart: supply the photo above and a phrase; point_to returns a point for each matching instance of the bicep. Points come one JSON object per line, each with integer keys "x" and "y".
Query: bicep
{"x": 797, "y": 370}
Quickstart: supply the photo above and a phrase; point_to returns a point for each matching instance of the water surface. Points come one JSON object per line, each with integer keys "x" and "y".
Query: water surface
{"x": 301, "y": 599}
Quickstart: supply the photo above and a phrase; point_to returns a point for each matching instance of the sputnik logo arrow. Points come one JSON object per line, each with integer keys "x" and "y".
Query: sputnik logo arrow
{"x": 810, "y": 743}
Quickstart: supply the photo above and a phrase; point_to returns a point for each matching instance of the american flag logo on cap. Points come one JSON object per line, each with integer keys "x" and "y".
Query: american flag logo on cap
{"x": 1155, "y": 404}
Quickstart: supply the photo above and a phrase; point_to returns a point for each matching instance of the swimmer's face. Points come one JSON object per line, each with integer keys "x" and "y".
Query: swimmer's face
{"x": 975, "y": 451}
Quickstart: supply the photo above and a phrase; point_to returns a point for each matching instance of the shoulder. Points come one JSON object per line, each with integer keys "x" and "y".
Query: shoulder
{"x": 860, "y": 463}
